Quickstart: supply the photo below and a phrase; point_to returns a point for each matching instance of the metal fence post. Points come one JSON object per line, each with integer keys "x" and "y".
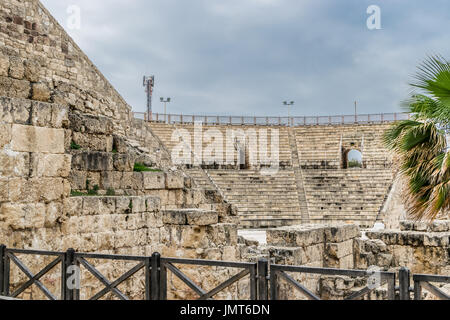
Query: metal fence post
{"x": 273, "y": 285}
{"x": 263, "y": 270}
{"x": 417, "y": 290}
{"x": 404, "y": 283}
{"x": 155, "y": 276}
{"x": 69, "y": 260}
{"x": 148, "y": 267}
{"x": 2, "y": 268}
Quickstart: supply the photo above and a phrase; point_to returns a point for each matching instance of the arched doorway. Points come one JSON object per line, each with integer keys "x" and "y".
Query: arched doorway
{"x": 352, "y": 159}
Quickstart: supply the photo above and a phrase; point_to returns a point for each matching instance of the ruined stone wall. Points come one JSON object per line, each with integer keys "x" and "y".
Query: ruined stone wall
{"x": 419, "y": 246}
{"x": 34, "y": 171}
{"x": 38, "y": 60}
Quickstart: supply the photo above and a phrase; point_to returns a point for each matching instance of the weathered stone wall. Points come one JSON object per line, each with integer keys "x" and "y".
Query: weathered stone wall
{"x": 313, "y": 246}
{"x": 421, "y": 247}
{"x": 38, "y": 60}
{"x": 34, "y": 170}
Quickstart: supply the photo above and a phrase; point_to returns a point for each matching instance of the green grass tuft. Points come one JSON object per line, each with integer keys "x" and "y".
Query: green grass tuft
{"x": 139, "y": 167}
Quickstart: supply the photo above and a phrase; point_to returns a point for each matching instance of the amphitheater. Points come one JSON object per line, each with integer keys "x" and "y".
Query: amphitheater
{"x": 70, "y": 152}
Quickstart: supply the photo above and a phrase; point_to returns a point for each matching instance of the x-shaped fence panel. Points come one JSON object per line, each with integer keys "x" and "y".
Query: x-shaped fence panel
{"x": 143, "y": 263}
{"x": 168, "y": 264}
{"x": 278, "y": 272}
{"x": 10, "y": 255}
{"x": 155, "y": 271}
{"x": 424, "y": 281}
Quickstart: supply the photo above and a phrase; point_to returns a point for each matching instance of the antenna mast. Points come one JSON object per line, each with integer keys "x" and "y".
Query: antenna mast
{"x": 149, "y": 84}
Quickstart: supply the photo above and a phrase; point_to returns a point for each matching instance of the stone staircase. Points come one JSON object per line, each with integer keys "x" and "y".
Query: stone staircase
{"x": 314, "y": 187}
{"x": 299, "y": 179}
{"x": 353, "y": 195}
{"x": 166, "y": 132}
{"x": 262, "y": 201}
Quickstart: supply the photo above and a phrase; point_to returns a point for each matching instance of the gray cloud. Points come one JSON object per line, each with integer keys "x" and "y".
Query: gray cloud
{"x": 246, "y": 56}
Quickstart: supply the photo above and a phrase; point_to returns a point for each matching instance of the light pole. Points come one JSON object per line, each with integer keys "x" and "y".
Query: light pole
{"x": 165, "y": 107}
{"x": 289, "y": 105}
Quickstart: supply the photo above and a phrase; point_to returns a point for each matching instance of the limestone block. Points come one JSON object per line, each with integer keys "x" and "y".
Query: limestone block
{"x": 54, "y": 214}
{"x": 286, "y": 255}
{"x": 174, "y": 181}
{"x": 192, "y": 237}
{"x": 93, "y": 179}
{"x": 50, "y": 189}
{"x": 201, "y": 217}
{"x": 50, "y": 165}
{"x": 10, "y": 87}
{"x": 107, "y": 181}
{"x": 293, "y": 236}
{"x": 24, "y": 216}
{"x": 137, "y": 180}
{"x": 123, "y": 162}
{"x": 384, "y": 260}
{"x": 138, "y": 204}
{"x": 23, "y": 190}
{"x": 339, "y": 250}
{"x": 5, "y": 134}
{"x": 375, "y": 246}
{"x": 124, "y": 205}
{"x": 437, "y": 239}
{"x": 345, "y": 262}
{"x": 342, "y": 232}
{"x": 120, "y": 144}
{"x": 92, "y": 142}
{"x": 14, "y": 110}
{"x": 117, "y": 180}
{"x": 153, "y": 219}
{"x": 127, "y": 181}
{"x": 176, "y": 217}
{"x": 14, "y": 164}
{"x": 91, "y": 124}
{"x": 99, "y": 205}
{"x": 73, "y": 206}
{"x": 224, "y": 234}
{"x": 152, "y": 204}
{"x": 4, "y": 189}
{"x": 16, "y": 68}
{"x": 40, "y": 92}
{"x": 32, "y": 69}
{"x": 60, "y": 116}
{"x": 41, "y": 114}
{"x": 230, "y": 253}
{"x": 92, "y": 161}
{"x": 4, "y": 66}
{"x": 154, "y": 180}
{"x": 440, "y": 226}
{"x": 389, "y": 237}
{"x": 78, "y": 179}
{"x": 37, "y": 139}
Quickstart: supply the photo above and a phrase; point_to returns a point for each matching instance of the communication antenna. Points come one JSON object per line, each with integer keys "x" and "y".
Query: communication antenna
{"x": 149, "y": 84}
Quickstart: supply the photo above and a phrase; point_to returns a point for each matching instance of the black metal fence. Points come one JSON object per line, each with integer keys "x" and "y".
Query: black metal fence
{"x": 264, "y": 278}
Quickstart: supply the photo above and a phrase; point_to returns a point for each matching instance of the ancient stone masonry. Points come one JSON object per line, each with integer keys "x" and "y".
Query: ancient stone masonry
{"x": 66, "y": 130}
{"x": 38, "y": 60}
{"x": 422, "y": 247}
{"x": 313, "y": 183}
{"x": 34, "y": 170}
{"x": 77, "y": 171}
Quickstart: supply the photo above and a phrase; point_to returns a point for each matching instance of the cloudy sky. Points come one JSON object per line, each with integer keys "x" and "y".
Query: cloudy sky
{"x": 244, "y": 57}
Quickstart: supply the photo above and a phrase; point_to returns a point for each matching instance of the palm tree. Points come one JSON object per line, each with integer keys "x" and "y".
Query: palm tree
{"x": 422, "y": 145}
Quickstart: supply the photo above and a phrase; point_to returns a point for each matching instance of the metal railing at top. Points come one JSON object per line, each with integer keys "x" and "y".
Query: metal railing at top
{"x": 274, "y": 121}
{"x": 264, "y": 278}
